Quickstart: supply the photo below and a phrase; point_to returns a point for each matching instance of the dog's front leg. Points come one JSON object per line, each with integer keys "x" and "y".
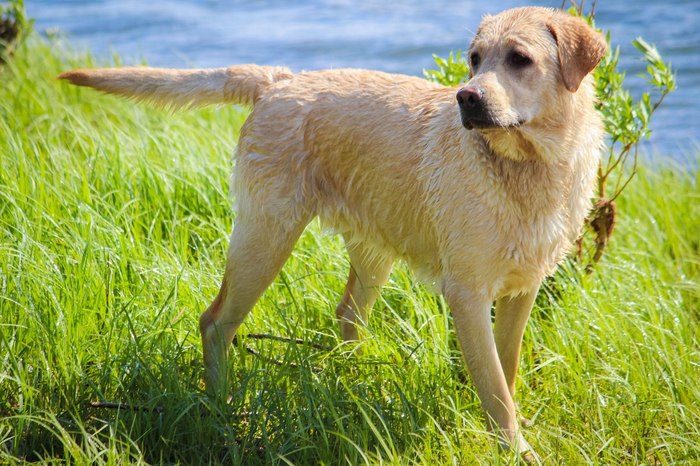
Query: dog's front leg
{"x": 471, "y": 311}
{"x": 512, "y": 314}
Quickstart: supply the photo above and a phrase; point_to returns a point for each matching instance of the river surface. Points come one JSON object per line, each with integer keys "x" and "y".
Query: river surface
{"x": 384, "y": 35}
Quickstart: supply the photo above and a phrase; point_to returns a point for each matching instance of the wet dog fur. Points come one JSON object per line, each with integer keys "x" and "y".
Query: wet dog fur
{"x": 482, "y": 189}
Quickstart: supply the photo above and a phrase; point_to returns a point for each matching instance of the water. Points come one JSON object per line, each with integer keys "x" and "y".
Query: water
{"x": 390, "y": 36}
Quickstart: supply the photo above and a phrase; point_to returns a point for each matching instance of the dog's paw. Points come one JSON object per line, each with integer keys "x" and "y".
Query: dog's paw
{"x": 527, "y": 453}
{"x": 525, "y": 422}
{"x": 530, "y": 457}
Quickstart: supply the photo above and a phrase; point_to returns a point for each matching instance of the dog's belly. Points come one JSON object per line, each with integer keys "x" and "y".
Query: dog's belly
{"x": 380, "y": 231}
{"x": 371, "y": 194}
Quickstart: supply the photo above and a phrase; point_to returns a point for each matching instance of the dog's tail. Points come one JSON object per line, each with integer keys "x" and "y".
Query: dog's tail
{"x": 170, "y": 88}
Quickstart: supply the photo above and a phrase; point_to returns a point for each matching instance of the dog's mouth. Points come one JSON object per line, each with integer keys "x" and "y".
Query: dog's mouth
{"x": 483, "y": 119}
{"x": 490, "y": 124}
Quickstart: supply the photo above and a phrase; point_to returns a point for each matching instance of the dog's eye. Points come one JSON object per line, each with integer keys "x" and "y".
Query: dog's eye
{"x": 475, "y": 60}
{"x": 519, "y": 60}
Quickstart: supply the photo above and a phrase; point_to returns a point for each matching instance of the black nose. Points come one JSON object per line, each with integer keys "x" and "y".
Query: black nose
{"x": 472, "y": 107}
{"x": 470, "y": 97}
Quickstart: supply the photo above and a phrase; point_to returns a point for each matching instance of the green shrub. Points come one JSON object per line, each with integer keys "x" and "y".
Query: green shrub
{"x": 14, "y": 25}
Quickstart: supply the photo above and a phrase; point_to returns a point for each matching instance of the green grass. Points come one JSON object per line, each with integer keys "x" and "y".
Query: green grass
{"x": 114, "y": 221}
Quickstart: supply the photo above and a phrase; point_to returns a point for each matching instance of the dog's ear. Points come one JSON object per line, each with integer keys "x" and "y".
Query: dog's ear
{"x": 580, "y": 48}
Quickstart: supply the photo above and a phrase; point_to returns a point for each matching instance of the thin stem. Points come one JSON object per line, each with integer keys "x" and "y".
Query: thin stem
{"x": 634, "y": 172}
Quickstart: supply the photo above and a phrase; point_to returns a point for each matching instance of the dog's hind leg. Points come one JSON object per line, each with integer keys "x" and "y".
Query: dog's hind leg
{"x": 368, "y": 272}
{"x": 259, "y": 246}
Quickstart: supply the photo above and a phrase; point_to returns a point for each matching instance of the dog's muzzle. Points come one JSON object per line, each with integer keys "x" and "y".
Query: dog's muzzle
{"x": 472, "y": 107}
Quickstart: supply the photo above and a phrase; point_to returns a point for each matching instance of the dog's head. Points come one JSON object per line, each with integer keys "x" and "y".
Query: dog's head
{"x": 525, "y": 65}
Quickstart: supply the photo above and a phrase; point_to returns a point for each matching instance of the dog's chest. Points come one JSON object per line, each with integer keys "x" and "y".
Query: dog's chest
{"x": 516, "y": 252}
{"x": 506, "y": 230}
{"x": 532, "y": 247}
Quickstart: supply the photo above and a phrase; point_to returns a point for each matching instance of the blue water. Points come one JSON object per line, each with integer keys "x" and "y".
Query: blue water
{"x": 390, "y": 36}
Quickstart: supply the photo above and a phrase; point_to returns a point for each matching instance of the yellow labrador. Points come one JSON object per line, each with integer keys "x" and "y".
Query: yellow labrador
{"x": 482, "y": 189}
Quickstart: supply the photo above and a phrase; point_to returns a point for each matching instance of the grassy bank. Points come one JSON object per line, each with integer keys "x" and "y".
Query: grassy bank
{"x": 113, "y": 228}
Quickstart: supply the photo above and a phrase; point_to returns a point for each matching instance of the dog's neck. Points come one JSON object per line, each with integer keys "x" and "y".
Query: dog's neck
{"x": 532, "y": 179}
{"x": 513, "y": 145}
{"x": 535, "y": 141}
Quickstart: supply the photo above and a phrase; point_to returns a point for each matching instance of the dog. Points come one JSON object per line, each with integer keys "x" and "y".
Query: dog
{"x": 482, "y": 188}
